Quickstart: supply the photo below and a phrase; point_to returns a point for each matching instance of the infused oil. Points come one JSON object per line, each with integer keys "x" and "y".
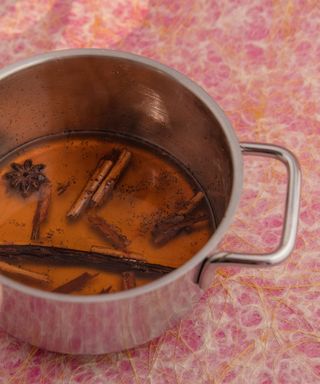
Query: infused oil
{"x": 93, "y": 213}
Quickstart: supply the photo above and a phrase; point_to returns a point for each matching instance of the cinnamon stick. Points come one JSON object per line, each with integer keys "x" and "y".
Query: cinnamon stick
{"x": 167, "y": 230}
{"x": 42, "y": 210}
{"x": 117, "y": 253}
{"x": 90, "y": 188}
{"x": 191, "y": 205}
{"x": 128, "y": 280}
{"x": 198, "y": 222}
{"x": 21, "y": 272}
{"x": 109, "y": 232}
{"x": 18, "y": 253}
{"x": 75, "y": 284}
{"x": 108, "y": 184}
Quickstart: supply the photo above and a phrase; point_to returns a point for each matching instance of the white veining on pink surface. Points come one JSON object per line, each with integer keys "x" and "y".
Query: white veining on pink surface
{"x": 260, "y": 61}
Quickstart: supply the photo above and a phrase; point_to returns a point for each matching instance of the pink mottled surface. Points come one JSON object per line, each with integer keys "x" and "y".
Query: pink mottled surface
{"x": 260, "y": 61}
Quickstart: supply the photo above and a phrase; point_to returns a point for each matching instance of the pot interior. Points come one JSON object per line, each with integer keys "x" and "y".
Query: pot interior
{"x": 82, "y": 93}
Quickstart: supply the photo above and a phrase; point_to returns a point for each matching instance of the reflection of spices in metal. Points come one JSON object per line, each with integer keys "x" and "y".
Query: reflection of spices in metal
{"x": 26, "y": 178}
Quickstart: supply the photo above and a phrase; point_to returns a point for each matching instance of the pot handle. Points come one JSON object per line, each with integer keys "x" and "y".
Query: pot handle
{"x": 291, "y": 217}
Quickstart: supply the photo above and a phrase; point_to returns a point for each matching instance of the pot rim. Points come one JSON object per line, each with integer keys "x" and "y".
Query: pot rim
{"x": 237, "y": 181}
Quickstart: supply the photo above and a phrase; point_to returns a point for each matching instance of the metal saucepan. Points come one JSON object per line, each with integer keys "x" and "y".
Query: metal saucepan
{"x": 74, "y": 90}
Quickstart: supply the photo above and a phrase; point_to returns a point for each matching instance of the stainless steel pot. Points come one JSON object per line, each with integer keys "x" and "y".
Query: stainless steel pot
{"x": 105, "y": 90}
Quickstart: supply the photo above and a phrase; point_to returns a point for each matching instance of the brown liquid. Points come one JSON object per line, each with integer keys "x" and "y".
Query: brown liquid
{"x": 151, "y": 188}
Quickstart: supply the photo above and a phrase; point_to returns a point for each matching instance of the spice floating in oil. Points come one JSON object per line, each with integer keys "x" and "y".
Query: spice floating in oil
{"x": 97, "y": 213}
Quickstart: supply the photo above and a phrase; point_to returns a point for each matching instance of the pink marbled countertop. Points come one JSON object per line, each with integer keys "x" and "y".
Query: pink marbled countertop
{"x": 260, "y": 61}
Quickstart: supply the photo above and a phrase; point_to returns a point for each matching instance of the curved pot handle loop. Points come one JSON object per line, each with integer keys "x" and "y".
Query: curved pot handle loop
{"x": 291, "y": 217}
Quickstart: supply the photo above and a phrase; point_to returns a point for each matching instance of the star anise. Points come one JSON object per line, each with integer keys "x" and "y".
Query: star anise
{"x": 26, "y": 178}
